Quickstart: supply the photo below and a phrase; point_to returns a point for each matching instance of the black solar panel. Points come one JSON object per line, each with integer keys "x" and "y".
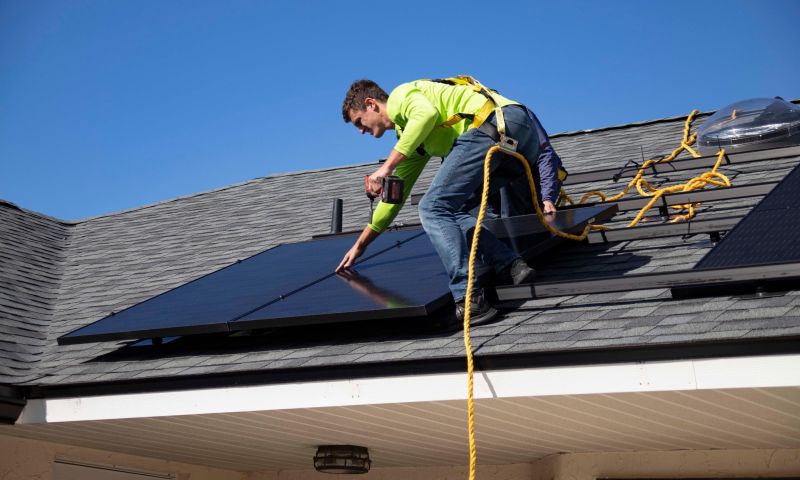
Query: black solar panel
{"x": 528, "y": 237}
{"x": 294, "y": 284}
{"x": 767, "y": 236}
{"x": 207, "y": 304}
{"x": 770, "y": 233}
{"x": 408, "y": 280}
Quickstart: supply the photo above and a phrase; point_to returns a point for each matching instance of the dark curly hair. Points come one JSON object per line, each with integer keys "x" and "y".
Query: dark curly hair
{"x": 358, "y": 93}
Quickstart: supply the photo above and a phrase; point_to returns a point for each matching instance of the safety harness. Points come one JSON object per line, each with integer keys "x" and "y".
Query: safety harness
{"x": 478, "y": 119}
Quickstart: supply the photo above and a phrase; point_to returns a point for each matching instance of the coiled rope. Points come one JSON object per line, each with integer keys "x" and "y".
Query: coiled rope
{"x": 644, "y": 188}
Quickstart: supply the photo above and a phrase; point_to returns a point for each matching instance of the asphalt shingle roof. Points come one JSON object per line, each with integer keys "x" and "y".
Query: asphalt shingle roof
{"x": 32, "y": 250}
{"x": 56, "y": 277}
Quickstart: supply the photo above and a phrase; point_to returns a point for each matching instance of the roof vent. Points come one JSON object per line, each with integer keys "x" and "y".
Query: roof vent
{"x": 753, "y": 124}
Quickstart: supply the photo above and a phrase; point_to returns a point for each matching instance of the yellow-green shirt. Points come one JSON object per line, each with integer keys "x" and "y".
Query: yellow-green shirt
{"x": 417, "y": 109}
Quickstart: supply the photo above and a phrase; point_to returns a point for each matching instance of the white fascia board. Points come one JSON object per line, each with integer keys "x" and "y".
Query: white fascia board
{"x": 717, "y": 373}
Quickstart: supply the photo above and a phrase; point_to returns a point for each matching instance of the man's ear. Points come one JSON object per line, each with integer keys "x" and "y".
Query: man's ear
{"x": 370, "y": 102}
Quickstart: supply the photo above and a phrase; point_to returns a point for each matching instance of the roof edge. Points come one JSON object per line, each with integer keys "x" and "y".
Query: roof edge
{"x": 442, "y": 365}
{"x": 764, "y": 371}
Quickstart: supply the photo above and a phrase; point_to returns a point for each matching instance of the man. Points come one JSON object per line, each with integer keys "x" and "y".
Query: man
{"x": 417, "y": 111}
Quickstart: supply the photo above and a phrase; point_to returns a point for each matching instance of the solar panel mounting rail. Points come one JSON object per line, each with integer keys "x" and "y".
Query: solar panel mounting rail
{"x": 736, "y": 275}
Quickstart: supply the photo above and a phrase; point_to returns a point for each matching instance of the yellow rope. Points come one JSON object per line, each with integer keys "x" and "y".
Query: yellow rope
{"x": 711, "y": 177}
{"x": 642, "y": 186}
{"x": 471, "y": 279}
{"x": 645, "y": 189}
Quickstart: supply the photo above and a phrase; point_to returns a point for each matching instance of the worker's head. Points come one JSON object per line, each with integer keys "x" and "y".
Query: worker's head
{"x": 365, "y": 106}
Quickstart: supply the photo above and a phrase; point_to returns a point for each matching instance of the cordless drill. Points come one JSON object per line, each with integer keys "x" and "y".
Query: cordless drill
{"x": 391, "y": 191}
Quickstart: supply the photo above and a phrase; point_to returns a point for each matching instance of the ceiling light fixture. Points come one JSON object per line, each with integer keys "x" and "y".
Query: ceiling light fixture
{"x": 342, "y": 459}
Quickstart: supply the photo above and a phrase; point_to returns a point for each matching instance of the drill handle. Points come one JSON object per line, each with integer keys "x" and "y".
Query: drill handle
{"x": 367, "y": 190}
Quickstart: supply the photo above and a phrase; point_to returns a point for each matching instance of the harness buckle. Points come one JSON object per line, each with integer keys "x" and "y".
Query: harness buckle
{"x": 508, "y": 144}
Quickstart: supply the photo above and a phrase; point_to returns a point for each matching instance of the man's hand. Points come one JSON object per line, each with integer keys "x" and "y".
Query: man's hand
{"x": 376, "y": 180}
{"x": 350, "y": 257}
{"x": 548, "y": 208}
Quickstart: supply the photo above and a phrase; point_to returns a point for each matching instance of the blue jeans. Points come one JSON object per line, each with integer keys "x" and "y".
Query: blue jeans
{"x": 444, "y": 210}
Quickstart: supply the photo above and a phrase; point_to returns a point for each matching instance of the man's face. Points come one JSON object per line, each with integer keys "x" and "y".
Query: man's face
{"x": 369, "y": 121}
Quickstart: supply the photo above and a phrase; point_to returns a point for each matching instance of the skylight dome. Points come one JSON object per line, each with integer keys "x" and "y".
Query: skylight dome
{"x": 751, "y": 125}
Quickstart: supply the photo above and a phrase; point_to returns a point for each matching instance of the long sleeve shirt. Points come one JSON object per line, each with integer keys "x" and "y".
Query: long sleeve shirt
{"x": 418, "y": 109}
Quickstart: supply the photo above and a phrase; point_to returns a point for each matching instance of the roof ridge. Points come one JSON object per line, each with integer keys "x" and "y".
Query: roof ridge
{"x": 640, "y": 124}
{"x": 344, "y": 167}
{"x": 627, "y": 125}
{"x": 13, "y": 206}
{"x": 215, "y": 190}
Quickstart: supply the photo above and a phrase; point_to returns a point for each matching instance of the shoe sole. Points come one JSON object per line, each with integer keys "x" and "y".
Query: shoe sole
{"x": 483, "y": 319}
{"x": 528, "y": 278}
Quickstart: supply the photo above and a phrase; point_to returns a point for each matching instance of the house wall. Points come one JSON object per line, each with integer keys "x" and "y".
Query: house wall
{"x": 33, "y": 460}
{"x": 484, "y": 472}
{"x": 23, "y": 459}
{"x": 686, "y": 464}
{"x": 589, "y": 466}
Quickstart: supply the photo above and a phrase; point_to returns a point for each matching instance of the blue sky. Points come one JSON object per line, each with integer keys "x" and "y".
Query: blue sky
{"x": 109, "y": 105}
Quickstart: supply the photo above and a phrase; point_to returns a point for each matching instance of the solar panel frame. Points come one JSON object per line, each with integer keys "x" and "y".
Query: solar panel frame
{"x": 526, "y": 235}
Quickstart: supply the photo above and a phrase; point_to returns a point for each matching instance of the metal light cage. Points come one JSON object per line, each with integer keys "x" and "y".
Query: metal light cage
{"x": 342, "y": 459}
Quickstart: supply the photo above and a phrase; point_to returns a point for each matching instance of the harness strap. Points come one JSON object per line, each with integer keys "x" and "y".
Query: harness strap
{"x": 494, "y": 134}
{"x": 478, "y": 118}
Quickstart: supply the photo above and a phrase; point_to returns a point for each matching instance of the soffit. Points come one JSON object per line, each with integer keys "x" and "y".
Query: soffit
{"x": 509, "y": 430}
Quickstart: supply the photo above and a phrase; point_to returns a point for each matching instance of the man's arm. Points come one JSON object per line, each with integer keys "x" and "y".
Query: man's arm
{"x": 409, "y": 169}
{"x": 548, "y": 177}
{"x": 366, "y": 237}
{"x": 547, "y": 164}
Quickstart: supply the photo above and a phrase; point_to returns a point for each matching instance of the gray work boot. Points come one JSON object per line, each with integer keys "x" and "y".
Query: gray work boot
{"x": 518, "y": 273}
{"x": 480, "y": 314}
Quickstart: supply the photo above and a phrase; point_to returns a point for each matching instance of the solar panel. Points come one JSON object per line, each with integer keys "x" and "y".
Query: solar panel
{"x": 770, "y": 233}
{"x": 528, "y": 237}
{"x": 405, "y": 281}
{"x": 207, "y": 304}
{"x": 294, "y": 284}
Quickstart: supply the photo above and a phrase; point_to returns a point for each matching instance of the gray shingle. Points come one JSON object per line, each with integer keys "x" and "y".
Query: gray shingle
{"x": 538, "y": 328}
{"x": 758, "y": 324}
{"x": 32, "y": 255}
{"x": 382, "y": 357}
{"x": 57, "y": 276}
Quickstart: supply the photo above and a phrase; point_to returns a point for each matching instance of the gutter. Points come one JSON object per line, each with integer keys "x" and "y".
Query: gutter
{"x": 762, "y": 371}
{"x": 731, "y": 348}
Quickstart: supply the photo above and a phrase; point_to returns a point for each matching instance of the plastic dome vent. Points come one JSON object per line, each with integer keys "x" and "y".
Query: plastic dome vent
{"x": 752, "y": 124}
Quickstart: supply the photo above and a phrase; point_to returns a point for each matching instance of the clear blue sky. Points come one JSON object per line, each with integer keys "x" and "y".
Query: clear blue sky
{"x": 107, "y": 105}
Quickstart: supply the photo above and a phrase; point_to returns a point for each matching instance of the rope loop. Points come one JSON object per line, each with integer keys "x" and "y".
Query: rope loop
{"x": 644, "y": 188}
